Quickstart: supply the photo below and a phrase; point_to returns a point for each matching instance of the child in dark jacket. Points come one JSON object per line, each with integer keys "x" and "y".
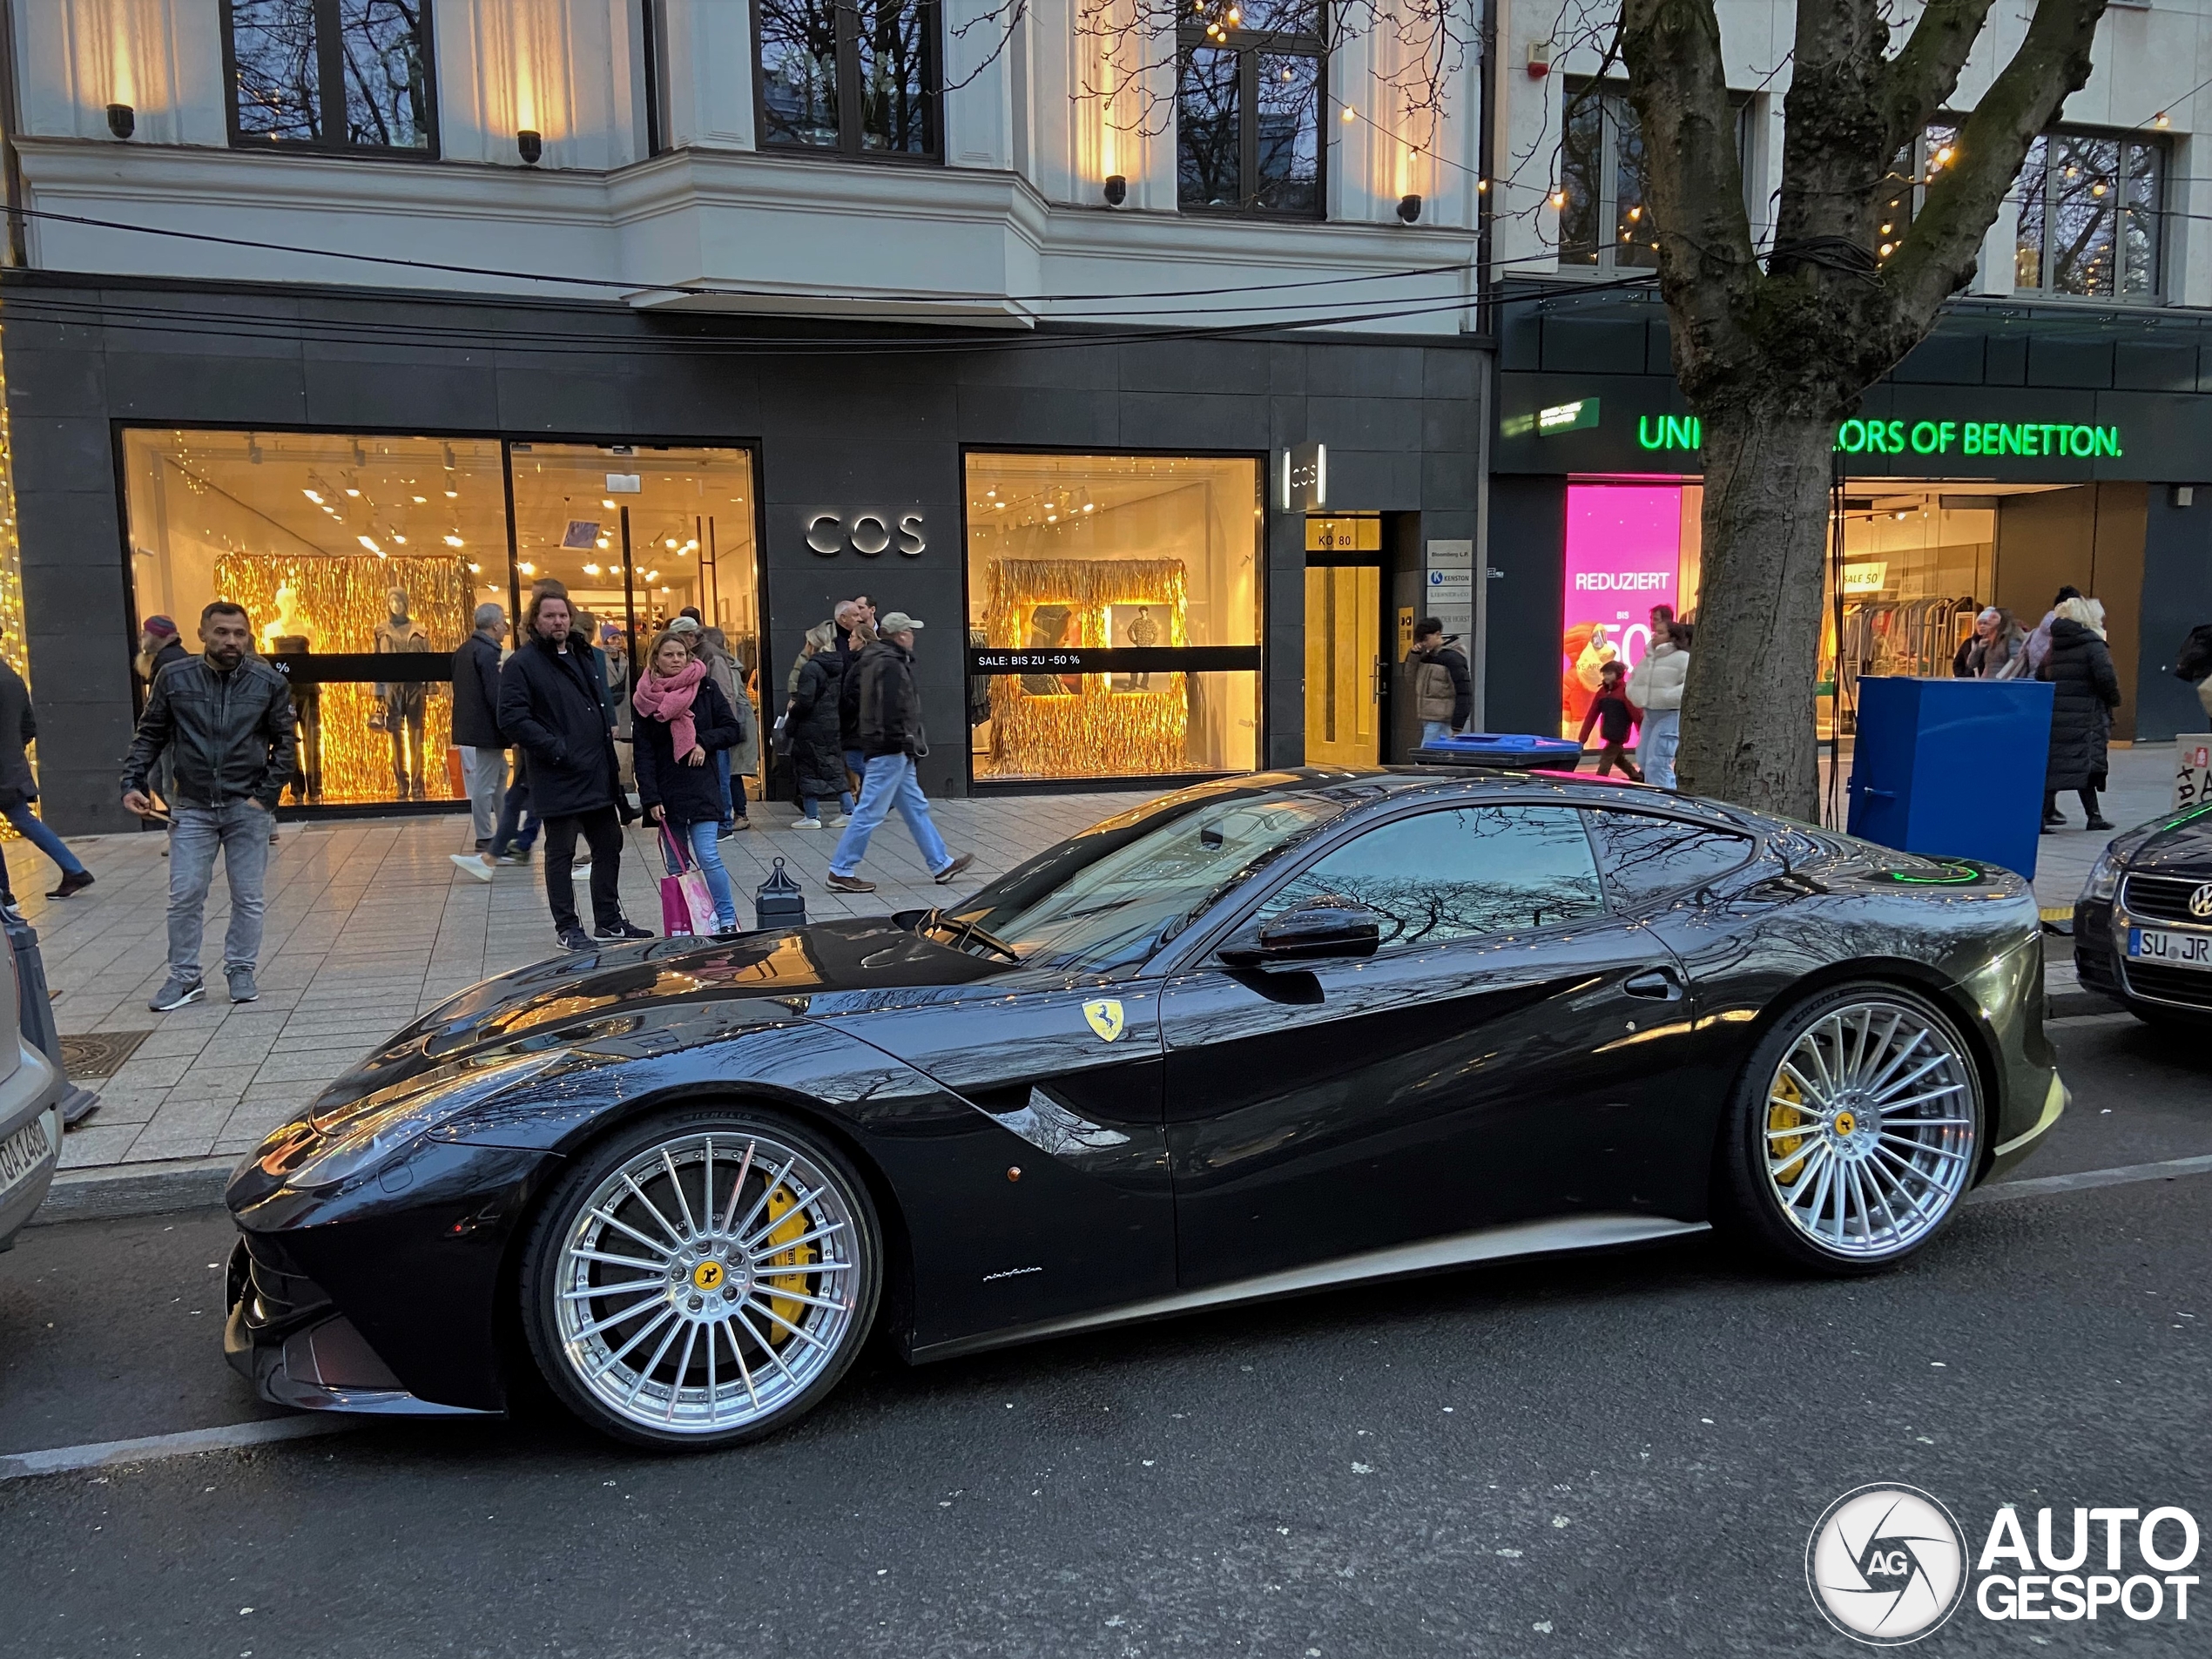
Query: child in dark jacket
{"x": 1615, "y": 718}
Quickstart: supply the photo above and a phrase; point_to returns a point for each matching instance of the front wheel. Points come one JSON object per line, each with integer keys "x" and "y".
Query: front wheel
{"x": 1854, "y": 1131}
{"x": 703, "y": 1279}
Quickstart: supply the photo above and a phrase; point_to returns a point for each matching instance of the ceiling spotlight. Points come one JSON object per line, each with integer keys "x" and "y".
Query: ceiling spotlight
{"x": 454, "y": 541}
{"x": 591, "y": 570}
{"x": 527, "y": 568}
{"x": 370, "y": 543}
{"x": 313, "y": 496}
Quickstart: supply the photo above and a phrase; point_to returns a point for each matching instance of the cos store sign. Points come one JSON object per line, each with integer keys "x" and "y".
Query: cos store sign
{"x": 868, "y": 532}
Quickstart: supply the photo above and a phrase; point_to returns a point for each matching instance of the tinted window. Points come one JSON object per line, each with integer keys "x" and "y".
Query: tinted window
{"x": 1645, "y": 857}
{"x": 1459, "y": 873}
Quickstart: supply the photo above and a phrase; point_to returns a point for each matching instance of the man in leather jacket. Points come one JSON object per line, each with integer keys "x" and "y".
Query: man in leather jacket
{"x": 224, "y": 719}
{"x": 891, "y": 740}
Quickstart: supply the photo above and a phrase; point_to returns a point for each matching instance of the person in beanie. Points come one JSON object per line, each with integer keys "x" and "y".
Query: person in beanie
{"x": 18, "y": 788}
{"x": 1443, "y": 692}
{"x": 1615, "y": 718}
{"x": 817, "y": 751}
{"x": 892, "y": 739}
{"x": 551, "y": 703}
{"x": 225, "y": 722}
{"x": 475, "y": 730}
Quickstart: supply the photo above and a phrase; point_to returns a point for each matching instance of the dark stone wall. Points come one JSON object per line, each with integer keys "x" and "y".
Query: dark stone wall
{"x": 2177, "y": 595}
{"x": 850, "y": 428}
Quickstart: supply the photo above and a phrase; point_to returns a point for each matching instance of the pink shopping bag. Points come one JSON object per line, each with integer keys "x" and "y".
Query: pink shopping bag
{"x": 687, "y": 906}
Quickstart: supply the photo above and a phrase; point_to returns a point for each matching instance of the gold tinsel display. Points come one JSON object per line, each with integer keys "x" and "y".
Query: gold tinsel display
{"x": 1091, "y": 729}
{"x": 345, "y": 598}
{"x": 13, "y": 645}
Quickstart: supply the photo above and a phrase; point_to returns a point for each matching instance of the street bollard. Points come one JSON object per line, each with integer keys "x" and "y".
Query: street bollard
{"x": 780, "y": 903}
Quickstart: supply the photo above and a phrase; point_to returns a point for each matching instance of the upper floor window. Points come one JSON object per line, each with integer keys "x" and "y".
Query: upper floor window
{"x": 1249, "y": 77}
{"x": 334, "y": 74}
{"x": 859, "y": 77}
{"x": 1603, "y": 217}
{"x": 2089, "y": 216}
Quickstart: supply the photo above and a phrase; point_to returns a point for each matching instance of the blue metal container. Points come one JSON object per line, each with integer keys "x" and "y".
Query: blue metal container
{"x": 1516, "y": 750}
{"x": 1952, "y": 768}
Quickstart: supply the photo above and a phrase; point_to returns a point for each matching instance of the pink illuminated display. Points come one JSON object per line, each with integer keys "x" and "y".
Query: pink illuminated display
{"x": 1623, "y": 557}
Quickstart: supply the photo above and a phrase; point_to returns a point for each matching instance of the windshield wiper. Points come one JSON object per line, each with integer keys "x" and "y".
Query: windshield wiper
{"x": 963, "y": 929}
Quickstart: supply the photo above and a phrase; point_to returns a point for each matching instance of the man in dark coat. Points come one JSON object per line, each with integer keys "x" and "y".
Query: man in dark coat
{"x": 18, "y": 788}
{"x": 891, "y": 740}
{"x": 2085, "y": 688}
{"x": 551, "y": 703}
{"x": 475, "y": 730}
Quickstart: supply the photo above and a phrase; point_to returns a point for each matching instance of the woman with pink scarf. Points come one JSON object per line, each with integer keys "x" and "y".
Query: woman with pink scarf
{"x": 683, "y": 719}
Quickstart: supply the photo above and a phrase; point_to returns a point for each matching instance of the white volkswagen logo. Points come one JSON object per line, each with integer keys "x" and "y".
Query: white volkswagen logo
{"x": 2201, "y": 900}
{"x": 1887, "y": 1564}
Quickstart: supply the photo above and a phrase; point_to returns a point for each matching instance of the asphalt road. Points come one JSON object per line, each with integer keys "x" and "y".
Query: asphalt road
{"x": 1592, "y": 1455}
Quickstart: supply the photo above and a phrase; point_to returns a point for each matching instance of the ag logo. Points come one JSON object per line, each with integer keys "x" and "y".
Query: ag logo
{"x": 1105, "y": 1017}
{"x": 2201, "y": 900}
{"x": 1886, "y": 1565}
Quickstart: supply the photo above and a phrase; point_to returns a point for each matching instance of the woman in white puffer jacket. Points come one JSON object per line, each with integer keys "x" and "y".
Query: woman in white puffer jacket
{"x": 1654, "y": 686}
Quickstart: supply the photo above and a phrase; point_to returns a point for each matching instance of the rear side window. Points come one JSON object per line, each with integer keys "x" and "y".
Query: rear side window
{"x": 1644, "y": 858}
{"x": 1459, "y": 874}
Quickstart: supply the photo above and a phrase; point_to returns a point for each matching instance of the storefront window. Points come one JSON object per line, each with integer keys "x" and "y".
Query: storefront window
{"x": 638, "y": 535}
{"x": 1114, "y": 616}
{"x": 358, "y": 560}
{"x": 1627, "y": 549}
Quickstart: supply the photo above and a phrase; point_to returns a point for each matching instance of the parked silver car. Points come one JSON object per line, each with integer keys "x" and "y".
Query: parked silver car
{"x": 31, "y": 1086}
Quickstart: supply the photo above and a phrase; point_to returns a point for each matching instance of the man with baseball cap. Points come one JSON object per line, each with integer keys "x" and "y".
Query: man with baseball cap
{"x": 892, "y": 739}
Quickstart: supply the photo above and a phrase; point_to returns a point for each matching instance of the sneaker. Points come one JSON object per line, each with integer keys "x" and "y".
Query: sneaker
{"x": 808, "y": 823}
{"x": 624, "y": 929}
{"x": 836, "y": 819}
{"x": 243, "y": 989}
{"x": 954, "y": 867}
{"x": 178, "y": 992}
{"x": 472, "y": 863}
{"x": 581, "y": 864}
{"x": 514, "y": 855}
{"x": 849, "y": 883}
{"x": 574, "y": 939}
{"x": 77, "y": 880}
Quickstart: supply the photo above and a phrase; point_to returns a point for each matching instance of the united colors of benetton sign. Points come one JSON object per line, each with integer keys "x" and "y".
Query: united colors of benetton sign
{"x": 1918, "y": 437}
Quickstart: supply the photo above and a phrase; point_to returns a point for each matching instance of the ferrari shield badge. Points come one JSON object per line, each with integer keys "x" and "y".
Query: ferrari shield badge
{"x": 1105, "y": 1017}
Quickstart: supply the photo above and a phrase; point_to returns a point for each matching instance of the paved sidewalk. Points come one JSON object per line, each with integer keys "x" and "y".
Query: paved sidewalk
{"x": 370, "y": 924}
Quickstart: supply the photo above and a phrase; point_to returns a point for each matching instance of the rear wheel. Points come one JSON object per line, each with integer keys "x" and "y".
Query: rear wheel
{"x": 703, "y": 1278}
{"x": 1854, "y": 1132}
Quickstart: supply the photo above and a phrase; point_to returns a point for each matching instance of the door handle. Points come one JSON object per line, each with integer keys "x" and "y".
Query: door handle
{"x": 1658, "y": 983}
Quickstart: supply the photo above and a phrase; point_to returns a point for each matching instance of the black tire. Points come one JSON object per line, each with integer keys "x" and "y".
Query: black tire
{"x": 804, "y": 1301}
{"x": 1861, "y": 1141}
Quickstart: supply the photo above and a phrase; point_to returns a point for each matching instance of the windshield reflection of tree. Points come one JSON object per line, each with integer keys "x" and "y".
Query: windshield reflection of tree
{"x": 1460, "y": 873}
{"x": 1115, "y": 911}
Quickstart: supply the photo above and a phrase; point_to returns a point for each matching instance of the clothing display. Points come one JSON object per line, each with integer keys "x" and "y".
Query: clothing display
{"x": 307, "y": 707}
{"x": 404, "y": 705}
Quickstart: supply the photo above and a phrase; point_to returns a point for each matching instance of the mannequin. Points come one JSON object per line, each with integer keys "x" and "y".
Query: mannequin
{"x": 1144, "y": 633}
{"x": 404, "y": 704}
{"x": 289, "y": 622}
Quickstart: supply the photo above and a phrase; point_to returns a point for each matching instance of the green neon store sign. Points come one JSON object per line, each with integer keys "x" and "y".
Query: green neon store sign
{"x": 1856, "y": 437}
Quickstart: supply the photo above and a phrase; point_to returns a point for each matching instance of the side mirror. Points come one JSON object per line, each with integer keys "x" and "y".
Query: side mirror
{"x": 1323, "y": 930}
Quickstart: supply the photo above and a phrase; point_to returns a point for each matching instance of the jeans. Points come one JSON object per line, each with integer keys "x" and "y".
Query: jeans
{"x": 42, "y": 837}
{"x": 732, "y": 795}
{"x": 706, "y": 852}
{"x": 809, "y": 807}
{"x": 486, "y": 770}
{"x": 1432, "y": 730}
{"x": 602, "y": 831}
{"x": 241, "y": 829}
{"x": 1655, "y": 748}
{"x": 891, "y": 781}
{"x": 513, "y": 812}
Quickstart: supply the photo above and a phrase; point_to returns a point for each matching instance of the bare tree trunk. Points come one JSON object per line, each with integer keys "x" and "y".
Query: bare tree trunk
{"x": 1748, "y": 731}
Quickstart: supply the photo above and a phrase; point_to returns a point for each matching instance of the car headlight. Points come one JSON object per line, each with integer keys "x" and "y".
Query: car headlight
{"x": 2104, "y": 877}
{"x": 366, "y": 1131}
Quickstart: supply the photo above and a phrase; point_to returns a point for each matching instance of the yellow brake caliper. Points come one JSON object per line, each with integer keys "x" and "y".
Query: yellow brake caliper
{"x": 1785, "y": 1111}
{"x": 783, "y": 1209}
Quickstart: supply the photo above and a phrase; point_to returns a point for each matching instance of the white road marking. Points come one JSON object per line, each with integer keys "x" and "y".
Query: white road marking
{"x": 100, "y": 1454}
{"x": 2046, "y": 1185}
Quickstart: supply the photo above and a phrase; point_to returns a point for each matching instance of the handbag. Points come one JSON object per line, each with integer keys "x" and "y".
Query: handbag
{"x": 687, "y": 906}
{"x": 779, "y": 738}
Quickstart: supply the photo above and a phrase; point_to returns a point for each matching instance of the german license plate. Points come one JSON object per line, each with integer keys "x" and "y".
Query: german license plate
{"x": 2168, "y": 949}
{"x": 23, "y": 1151}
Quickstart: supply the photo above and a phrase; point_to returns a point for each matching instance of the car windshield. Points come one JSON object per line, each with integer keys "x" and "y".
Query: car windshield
{"x": 1112, "y": 910}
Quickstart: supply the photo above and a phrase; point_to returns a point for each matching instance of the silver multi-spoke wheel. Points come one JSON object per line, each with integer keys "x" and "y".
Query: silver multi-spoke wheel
{"x": 709, "y": 1280}
{"x": 1870, "y": 1127}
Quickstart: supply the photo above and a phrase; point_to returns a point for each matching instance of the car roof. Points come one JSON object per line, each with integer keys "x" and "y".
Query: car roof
{"x": 1377, "y": 786}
